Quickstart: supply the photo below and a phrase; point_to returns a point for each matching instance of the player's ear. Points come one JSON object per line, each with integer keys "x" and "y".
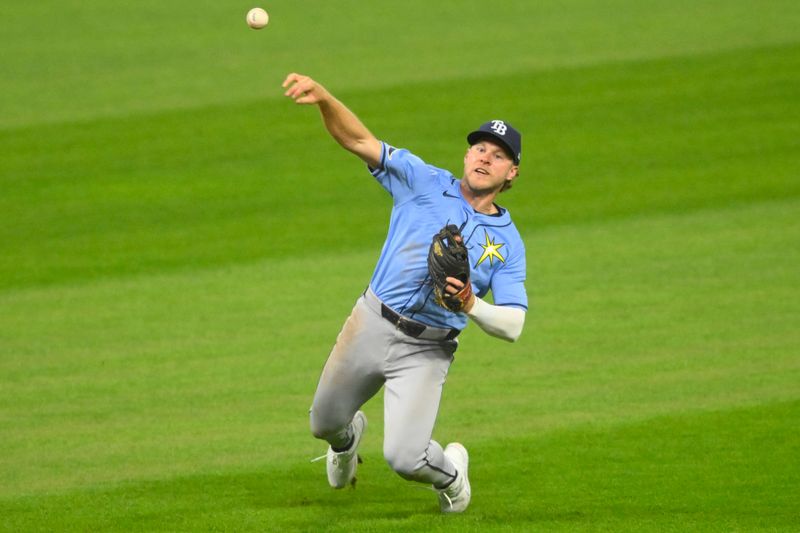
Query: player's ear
{"x": 512, "y": 175}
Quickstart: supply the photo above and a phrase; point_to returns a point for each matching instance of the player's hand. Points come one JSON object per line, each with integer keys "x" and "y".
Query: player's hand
{"x": 454, "y": 286}
{"x": 304, "y": 90}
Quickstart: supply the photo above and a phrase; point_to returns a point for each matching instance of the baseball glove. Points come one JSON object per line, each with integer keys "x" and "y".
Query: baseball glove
{"x": 447, "y": 257}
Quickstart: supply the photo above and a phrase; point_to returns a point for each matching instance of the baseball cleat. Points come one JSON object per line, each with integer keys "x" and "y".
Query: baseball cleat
{"x": 455, "y": 497}
{"x": 342, "y": 465}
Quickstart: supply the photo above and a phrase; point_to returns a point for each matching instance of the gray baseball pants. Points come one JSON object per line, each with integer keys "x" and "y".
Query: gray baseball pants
{"x": 370, "y": 352}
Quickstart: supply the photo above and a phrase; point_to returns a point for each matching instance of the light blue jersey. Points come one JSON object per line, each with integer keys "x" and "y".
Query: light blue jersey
{"x": 425, "y": 199}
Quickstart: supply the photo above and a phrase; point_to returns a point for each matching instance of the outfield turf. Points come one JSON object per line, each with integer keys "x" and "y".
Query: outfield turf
{"x": 179, "y": 246}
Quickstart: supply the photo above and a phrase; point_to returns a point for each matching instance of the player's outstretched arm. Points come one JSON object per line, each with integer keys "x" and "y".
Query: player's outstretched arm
{"x": 342, "y": 124}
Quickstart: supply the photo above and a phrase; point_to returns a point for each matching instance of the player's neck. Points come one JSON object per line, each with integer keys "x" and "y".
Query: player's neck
{"x": 482, "y": 202}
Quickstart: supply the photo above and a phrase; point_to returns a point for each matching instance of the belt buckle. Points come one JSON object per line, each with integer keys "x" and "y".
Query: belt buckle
{"x": 402, "y": 323}
{"x": 408, "y": 327}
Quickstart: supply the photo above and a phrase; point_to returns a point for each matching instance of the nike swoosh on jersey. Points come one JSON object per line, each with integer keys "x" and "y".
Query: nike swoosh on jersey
{"x": 445, "y": 193}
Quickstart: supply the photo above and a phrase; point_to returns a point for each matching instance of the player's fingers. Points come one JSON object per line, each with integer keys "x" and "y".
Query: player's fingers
{"x": 296, "y": 84}
{"x": 306, "y": 99}
{"x": 294, "y": 77}
{"x": 303, "y": 95}
{"x": 301, "y": 89}
{"x": 296, "y": 95}
{"x": 292, "y": 91}
{"x": 455, "y": 281}
{"x": 455, "y": 284}
{"x": 289, "y": 79}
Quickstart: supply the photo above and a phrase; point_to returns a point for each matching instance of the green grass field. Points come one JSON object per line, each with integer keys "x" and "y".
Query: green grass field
{"x": 179, "y": 246}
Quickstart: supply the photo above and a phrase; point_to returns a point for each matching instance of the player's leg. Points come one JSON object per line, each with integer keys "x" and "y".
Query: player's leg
{"x": 411, "y": 403}
{"x": 351, "y": 376}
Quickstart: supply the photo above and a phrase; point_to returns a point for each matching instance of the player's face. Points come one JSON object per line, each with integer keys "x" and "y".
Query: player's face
{"x": 487, "y": 166}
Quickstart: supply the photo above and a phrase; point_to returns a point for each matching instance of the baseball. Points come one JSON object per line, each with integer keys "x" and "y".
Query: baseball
{"x": 257, "y": 18}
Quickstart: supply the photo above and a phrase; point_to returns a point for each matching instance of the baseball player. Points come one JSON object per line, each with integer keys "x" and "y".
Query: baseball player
{"x": 400, "y": 334}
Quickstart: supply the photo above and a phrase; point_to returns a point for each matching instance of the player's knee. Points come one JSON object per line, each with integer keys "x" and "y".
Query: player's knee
{"x": 404, "y": 461}
{"x": 318, "y": 432}
{"x": 322, "y": 427}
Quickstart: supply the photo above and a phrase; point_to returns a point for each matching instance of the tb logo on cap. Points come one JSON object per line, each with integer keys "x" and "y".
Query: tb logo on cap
{"x": 499, "y": 127}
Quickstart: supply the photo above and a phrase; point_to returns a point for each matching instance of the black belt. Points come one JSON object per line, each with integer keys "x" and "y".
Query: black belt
{"x": 413, "y": 328}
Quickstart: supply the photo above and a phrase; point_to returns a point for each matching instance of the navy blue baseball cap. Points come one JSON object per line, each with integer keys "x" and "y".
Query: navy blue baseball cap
{"x": 502, "y": 132}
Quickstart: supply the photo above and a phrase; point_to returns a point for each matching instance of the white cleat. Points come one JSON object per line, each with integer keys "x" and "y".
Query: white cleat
{"x": 455, "y": 498}
{"x": 342, "y": 465}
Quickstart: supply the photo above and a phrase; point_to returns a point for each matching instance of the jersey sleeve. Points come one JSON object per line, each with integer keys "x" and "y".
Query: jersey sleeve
{"x": 401, "y": 173}
{"x": 508, "y": 283}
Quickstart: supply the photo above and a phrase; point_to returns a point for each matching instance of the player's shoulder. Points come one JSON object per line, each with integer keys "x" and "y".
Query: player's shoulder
{"x": 445, "y": 179}
{"x": 512, "y": 231}
{"x": 392, "y": 154}
{"x": 503, "y": 226}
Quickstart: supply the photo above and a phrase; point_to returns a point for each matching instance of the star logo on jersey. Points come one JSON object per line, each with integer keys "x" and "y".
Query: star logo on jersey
{"x": 490, "y": 251}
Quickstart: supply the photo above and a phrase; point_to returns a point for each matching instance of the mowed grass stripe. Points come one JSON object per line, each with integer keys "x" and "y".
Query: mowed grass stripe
{"x": 724, "y": 470}
{"x": 173, "y": 374}
{"x": 186, "y": 190}
{"x": 127, "y": 59}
